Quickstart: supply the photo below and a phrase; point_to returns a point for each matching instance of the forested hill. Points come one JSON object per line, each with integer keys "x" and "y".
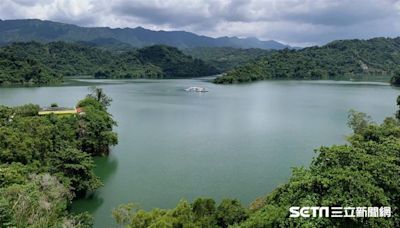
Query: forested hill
{"x": 351, "y": 58}
{"x": 226, "y": 58}
{"x": 49, "y": 31}
{"x": 37, "y": 63}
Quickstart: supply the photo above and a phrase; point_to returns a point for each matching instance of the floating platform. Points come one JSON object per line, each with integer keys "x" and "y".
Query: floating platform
{"x": 196, "y": 89}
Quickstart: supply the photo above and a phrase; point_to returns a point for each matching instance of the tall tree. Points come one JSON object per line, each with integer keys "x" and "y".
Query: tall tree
{"x": 99, "y": 95}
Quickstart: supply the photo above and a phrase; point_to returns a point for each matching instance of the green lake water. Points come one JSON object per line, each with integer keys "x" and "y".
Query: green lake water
{"x": 236, "y": 141}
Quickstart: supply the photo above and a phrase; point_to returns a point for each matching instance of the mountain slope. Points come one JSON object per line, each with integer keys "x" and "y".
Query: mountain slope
{"x": 15, "y": 69}
{"x": 349, "y": 58}
{"x": 48, "y": 31}
{"x": 226, "y": 58}
{"x": 37, "y": 63}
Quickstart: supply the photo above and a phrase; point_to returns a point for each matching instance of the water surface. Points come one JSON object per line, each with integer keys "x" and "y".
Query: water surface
{"x": 237, "y": 141}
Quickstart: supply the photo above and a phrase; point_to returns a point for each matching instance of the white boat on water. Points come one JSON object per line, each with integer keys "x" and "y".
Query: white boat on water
{"x": 196, "y": 89}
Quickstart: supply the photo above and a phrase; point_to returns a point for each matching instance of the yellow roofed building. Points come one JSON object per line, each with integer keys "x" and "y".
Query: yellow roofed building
{"x": 58, "y": 111}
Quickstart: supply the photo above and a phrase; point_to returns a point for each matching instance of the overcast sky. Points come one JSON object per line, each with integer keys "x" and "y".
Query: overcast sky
{"x": 295, "y": 22}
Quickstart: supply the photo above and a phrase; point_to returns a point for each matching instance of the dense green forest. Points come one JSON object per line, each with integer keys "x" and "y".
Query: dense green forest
{"x": 226, "y": 58}
{"x": 46, "y": 161}
{"x": 395, "y": 80}
{"x": 36, "y": 63}
{"x": 365, "y": 172}
{"x": 351, "y": 58}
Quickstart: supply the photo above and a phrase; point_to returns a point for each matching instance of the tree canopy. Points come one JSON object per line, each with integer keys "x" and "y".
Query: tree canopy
{"x": 354, "y": 59}
{"x": 395, "y": 80}
{"x": 37, "y": 63}
{"x": 203, "y": 212}
{"x": 46, "y": 161}
{"x": 226, "y": 58}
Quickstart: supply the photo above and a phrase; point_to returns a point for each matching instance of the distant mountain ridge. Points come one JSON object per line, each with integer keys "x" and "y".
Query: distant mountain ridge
{"x": 25, "y": 30}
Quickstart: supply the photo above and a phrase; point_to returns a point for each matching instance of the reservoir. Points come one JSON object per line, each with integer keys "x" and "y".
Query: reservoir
{"x": 235, "y": 141}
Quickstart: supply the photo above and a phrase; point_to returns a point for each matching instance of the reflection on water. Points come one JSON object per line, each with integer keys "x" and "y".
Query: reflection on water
{"x": 105, "y": 169}
{"x": 90, "y": 203}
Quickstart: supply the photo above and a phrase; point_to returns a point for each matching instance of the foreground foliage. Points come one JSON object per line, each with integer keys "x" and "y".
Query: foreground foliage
{"x": 46, "y": 161}
{"x": 200, "y": 213}
{"x": 347, "y": 58}
{"x": 365, "y": 172}
{"x": 36, "y": 63}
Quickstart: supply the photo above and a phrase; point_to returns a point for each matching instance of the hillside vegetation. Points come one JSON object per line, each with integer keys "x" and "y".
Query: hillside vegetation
{"x": 351, "y": 58}
{"x": 226, "y": 58}
{"x": 37, "y": 63}
{"x": 46, "y": 161}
